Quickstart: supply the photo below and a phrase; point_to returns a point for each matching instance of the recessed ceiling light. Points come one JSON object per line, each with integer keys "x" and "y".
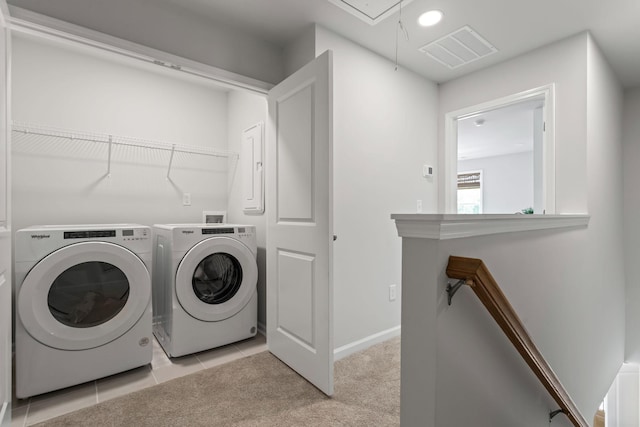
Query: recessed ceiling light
{"x": 430, "y": 18}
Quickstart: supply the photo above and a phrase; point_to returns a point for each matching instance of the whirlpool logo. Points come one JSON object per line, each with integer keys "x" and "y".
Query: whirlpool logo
{"x": 40, "y": 236}
{"x": 187, "y": 231}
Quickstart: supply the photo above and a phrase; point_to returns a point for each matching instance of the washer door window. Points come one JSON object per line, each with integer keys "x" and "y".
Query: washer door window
{"x": 216, "y": 279}
{"x": 84, "y": 295}
{"x": 88, "y": 294}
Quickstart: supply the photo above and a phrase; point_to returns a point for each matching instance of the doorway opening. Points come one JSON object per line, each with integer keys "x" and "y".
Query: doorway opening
{"x": 511, "y": 140}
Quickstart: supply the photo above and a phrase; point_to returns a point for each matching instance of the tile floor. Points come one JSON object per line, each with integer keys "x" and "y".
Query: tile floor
{"x": 26, "y": 412}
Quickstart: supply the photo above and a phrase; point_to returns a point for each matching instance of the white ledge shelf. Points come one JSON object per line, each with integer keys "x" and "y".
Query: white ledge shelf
{"x": 454, "y": 226}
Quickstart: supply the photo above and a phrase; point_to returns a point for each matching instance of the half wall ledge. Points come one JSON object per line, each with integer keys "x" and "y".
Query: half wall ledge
{"x": 456, "y": 226}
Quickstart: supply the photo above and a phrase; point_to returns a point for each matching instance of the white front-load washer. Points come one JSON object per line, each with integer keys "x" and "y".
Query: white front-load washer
{"x": 204, "y": 286}
{"x": 83, "y": 304}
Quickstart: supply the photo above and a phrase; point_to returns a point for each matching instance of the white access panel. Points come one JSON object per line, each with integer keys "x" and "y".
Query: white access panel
{"x": 252, "y": 169}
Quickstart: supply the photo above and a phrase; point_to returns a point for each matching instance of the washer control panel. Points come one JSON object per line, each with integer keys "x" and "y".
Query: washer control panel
{"x": 135, "y": 233}
{"x": 245, "y": 231}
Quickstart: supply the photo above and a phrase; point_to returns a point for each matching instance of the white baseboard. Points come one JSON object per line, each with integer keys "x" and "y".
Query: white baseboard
{"x": 365, "y": 342}
{"x": 353, "y": 347}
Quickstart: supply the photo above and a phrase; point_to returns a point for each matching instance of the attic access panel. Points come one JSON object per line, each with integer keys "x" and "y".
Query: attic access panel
{"x": 371, "y": 11}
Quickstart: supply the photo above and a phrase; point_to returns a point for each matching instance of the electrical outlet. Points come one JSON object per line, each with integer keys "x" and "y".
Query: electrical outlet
{"x": 392, "y": 292}
{"x": 419, "y": 206}
{"x": 186, "y": 199}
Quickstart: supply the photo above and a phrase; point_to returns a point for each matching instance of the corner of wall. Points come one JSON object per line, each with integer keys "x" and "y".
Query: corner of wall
{"x": 631, "y": 206}
{"x": 245, "y": 110}
{"x": 301, "y": 51}
{"x": 384, "y": 128}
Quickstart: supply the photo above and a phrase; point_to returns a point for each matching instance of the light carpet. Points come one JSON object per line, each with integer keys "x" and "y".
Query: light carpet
{"x": 260, "y": 390}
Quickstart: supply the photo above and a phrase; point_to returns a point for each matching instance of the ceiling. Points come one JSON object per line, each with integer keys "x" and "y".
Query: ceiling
{"x": 511, "y": 26}
{"x": 502, "y": 131}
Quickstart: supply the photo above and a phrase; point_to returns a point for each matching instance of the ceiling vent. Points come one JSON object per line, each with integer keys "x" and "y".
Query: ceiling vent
{"x": 371, "y": 11}
{"x": 459, "y": 48}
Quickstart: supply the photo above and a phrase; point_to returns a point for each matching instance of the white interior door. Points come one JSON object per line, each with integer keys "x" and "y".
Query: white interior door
{"x": 5, "y": 232}
{"x": 299, "y": 223}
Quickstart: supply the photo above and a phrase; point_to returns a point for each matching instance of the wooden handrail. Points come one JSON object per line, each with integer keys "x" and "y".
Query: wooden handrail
{"x": 477, "y": 276}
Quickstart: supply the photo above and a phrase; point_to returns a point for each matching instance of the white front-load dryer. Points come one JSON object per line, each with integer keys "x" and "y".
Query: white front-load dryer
{"x": 204, "y": 286}
{"x": 83, "y": 304}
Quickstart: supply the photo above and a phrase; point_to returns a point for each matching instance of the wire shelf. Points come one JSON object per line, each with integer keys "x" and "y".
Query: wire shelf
{"x": 119, "y": 140}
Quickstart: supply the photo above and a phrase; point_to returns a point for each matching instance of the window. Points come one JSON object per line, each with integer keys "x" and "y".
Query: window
{"x": 470, "y": 192}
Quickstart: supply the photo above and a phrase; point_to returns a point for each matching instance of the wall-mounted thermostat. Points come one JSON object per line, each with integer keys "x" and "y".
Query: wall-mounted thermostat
{"x": 427, "y": 171}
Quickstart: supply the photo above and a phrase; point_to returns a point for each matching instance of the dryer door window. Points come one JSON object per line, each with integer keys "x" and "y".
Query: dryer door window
{"x": 217, "y": 278}
{"x": 88, "y": 294}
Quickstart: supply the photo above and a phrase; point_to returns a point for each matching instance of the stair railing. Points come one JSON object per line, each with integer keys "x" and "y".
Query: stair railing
{"x": 473, "y": 273}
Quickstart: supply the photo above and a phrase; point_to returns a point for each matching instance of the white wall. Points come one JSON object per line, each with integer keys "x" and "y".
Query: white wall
{"x": 173, "y": 29}
{"x": 575, "y": 321}
{"x": 568, "y": 287}
{"x": 6, "y": 324}
{"x": 606, "y": 234}
{"x": 6, "y": 317}
{"x": 244, "y": 111}
{"x": 384, "y": 130}
{"x": 63, "y": 182}
{"x": 301, "y": 51}
{"x": 6, "y": 314}
{"x": 563, "y": 64}
{"x": 631, "y": 150}
{"x": 472, "y": 375}
{"x": 507, "y": 181}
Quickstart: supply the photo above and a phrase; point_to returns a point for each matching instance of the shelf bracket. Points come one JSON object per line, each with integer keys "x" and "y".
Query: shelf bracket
{"x": 452, "y": 289}
{"x": 173, "y": 150}
{"x": 109, "y": 161}
{"x": 554, "y": 413}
